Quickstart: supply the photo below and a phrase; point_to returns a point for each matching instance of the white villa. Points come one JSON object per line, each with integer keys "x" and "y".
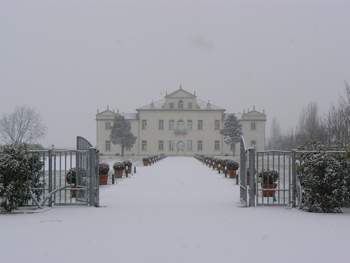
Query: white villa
{"x": 180, "y": 124}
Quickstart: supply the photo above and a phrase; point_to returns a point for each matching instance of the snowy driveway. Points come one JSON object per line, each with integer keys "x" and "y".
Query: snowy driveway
{"x": 174, "y": 211}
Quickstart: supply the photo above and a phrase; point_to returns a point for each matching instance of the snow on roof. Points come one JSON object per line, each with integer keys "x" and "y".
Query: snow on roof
{"x": 154, "y": 105}
{"x": 129, "y": 116}
{"x": 158, "y": 105}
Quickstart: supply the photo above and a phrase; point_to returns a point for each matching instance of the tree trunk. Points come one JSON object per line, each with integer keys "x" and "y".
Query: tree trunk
{"x": 122, "y": 151}
{"x": 233, "y": 149}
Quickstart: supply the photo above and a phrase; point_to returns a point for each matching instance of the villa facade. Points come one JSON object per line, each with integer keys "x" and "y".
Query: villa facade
{"x": 180, "y": 124}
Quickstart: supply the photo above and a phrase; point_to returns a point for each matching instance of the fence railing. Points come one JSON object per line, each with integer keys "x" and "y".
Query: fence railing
{"x": 55, "y": 188}
{"x": 286, "y": 190}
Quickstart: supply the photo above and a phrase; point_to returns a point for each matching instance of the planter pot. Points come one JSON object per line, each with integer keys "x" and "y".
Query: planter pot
{"x": 73, "y": 193}
{"x": 118, "y": 173}
{"x": 145, "y": 163}
{"x": 268, "y": 189}
{"x": 103, "y": 179}
{"x": 232, "y": 173}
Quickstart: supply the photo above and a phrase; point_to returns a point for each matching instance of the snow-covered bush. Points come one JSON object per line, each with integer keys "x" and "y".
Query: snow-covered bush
{"x": 324, "y": 179}
{"x": 71, "y": 176}
{"x": 20, "y": 169}
{"x": 127, "y": 163}
{"x": 232, "y": 165}
{"x": 269, "y": 176}
{"x": 118, "y": 166}
{"x": 103, "y": 168}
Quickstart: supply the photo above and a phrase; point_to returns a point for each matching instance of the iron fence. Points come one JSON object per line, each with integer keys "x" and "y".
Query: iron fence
{"x": 56, "y": 188}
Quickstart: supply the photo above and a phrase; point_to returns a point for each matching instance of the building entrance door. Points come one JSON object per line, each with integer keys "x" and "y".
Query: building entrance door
{"x": 180, "y": 146}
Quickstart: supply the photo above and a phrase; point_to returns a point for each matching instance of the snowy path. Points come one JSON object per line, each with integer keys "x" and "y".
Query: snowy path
{"x": 174, "y": 211}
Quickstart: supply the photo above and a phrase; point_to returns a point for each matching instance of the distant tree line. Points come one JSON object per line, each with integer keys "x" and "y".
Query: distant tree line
{"x": 331, "y": 130}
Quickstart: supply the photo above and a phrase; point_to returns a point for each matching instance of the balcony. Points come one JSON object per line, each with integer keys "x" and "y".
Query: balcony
{"x": 180, "y": 131}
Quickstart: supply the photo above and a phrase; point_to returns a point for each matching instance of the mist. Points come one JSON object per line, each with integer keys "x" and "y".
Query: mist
{"x": 68, "y": 59}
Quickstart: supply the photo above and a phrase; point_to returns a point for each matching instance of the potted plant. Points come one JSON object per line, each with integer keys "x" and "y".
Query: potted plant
{"x": 73, "y": 179}
{"x": 128, "y": 165}
{"x": 268, "y": 182}
{"x": 145, "y": 161}
{"x": 223, "y": 164}
{"x": 118, "y": 169}
{"x": 103, "y": 169}
{"x": 220, "y": 164}
{"x": 232, "y": 167}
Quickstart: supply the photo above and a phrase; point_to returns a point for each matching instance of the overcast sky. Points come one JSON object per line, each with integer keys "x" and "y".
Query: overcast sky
{"x": 69, "y": 58}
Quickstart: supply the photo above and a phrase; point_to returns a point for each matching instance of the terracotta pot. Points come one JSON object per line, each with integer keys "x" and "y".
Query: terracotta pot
{"x": 268, "y": 189}
{"x": 73, "y": 193}
{"x": 232, "y": 173}
{"x": 145, "y": 163}
{"x": 118, "y": 173}
{"x": 103, "y": 179}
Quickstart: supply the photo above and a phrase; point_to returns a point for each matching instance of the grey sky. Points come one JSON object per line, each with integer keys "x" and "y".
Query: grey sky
{"x": 67, "y": 59}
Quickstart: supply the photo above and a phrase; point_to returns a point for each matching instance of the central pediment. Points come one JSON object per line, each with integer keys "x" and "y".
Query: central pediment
{"x": 180, "y": 94}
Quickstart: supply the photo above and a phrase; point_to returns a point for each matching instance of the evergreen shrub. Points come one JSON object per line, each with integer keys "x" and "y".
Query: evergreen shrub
{"x": 324, "y": 178}
{"x": 20, "y": 170}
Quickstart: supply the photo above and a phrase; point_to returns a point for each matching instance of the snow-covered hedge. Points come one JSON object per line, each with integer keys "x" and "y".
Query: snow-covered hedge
{"x": 20, "y": 170}
{"x": 324, "y": 178}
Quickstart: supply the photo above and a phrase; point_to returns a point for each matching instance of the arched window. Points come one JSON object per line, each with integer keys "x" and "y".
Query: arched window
{"x": 181, "y": 104}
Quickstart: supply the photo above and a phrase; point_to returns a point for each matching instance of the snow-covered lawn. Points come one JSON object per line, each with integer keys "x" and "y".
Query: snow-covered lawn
{"x": 174, "y": 211}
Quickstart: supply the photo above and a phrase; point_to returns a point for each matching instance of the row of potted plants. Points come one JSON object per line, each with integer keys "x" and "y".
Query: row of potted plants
{"x": 225, "y": 165}
{"x": 153, "y": 159}
{"x": 268, "y": 178}
{"x": 118, "y": 167}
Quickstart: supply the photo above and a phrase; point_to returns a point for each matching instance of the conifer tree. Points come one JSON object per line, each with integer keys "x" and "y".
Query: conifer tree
{"x": 121, "y": 133}
{"x": 232, "y": 131}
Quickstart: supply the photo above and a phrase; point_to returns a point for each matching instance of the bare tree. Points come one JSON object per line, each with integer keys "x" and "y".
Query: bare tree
{"x": 22, "y": 125}
{"x": 276, "y": 135}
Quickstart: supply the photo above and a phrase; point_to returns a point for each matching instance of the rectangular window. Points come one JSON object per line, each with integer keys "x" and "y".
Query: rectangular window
{"x": 200, "y": 145}
{"x": 171, "y": 145}
{"x": 161, "y": 145}
{"x": 171, "y": 105}
{"x": 189, "y": 145}
{"x": 189, "y": 125}
{"x": 181, "y": 104}
{"x": 253, "y": 143}
{"x": 108, "y": 145}
{"x": 217, "y": 125}
{"x": 253, "y": 126}
{"x": 171, "y": 125}
{"x": 144, "y": 145}
{"x": 108, "y": 126}
{"x": 144, "y": 124}
{"x": 161, "y": 125}
{"x": 200, "y": 125}
{"x": 217, "y": 145}
{"x": 189, "y": 105}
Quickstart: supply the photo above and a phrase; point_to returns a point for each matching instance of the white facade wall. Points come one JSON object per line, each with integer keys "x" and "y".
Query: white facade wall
{"x": 208, "y": 135}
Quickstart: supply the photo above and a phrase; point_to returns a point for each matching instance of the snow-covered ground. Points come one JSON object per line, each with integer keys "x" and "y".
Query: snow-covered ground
{"x": 174, "y": 211}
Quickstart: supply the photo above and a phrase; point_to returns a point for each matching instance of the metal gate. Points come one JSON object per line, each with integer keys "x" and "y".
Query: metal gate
{"x": 252, "y": 190}
{"x": 69, "y": 177}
